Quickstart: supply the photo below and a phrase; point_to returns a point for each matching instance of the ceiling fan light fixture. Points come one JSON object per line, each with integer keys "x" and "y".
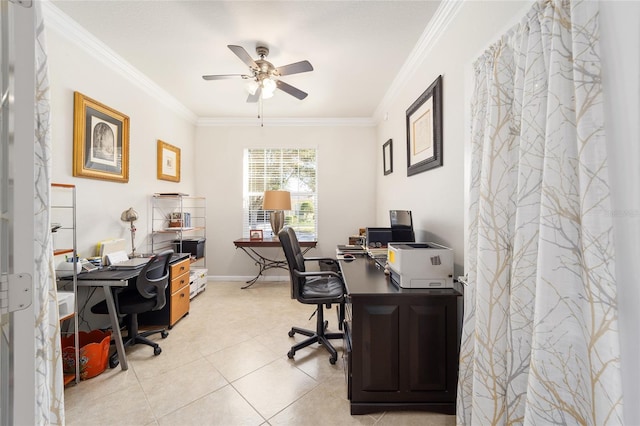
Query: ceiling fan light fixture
{"x": 268, "y": 87}
{"x": 252, "y": 87}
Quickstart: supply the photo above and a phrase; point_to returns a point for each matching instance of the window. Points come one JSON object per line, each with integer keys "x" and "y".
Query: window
{"x": 287, "y": 169}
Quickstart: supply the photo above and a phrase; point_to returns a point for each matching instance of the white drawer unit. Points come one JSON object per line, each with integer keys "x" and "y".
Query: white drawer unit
{"x": 197, "y": 281}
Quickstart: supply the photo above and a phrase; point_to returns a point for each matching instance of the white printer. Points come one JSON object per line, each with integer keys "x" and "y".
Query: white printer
{"x": 420, "y": 265}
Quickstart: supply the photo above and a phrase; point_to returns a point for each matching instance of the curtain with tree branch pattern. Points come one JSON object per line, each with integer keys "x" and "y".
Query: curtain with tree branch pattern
{"x": 49, "y": 395}
{"x": 540, "y": 338}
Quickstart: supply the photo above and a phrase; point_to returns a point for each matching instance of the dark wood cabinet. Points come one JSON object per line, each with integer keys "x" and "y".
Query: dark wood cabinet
{"x": 401, "y": 345}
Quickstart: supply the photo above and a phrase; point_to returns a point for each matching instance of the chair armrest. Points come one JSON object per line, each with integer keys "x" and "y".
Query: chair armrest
{"x": 313, "y": 259}
{"x": 317, "y": 274}
{"x": 160, "y": 284}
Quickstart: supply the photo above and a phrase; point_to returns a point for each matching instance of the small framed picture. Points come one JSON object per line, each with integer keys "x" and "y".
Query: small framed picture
{"x": 387, "y": 157}
{"x": 168, "y": 162}
{"x": 255, "y": 235}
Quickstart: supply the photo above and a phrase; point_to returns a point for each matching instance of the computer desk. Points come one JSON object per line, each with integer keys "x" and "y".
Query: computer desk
{"x": 249, "y": 246}
{"x": 401, "y": 344}
{"x": 113, "y": 278}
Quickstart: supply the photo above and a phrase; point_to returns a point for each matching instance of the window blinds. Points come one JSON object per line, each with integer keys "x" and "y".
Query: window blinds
{"x": 288, "y": 169}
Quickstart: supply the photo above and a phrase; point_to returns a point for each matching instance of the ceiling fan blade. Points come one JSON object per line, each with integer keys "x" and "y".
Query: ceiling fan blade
{"x": 293, "y": 91}
{"x": 295, "y": 68}
{"x": 224, "y": 76}
{"x": 255, "y": 97}
{"x": 243, "y": 55}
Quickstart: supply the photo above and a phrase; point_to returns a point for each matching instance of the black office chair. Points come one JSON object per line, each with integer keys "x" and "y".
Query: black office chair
{"x": 148, "y": 294}
{"x": 318, "y": 288}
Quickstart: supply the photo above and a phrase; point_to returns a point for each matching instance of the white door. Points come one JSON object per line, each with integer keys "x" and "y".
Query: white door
{"x": 17, "y": 336}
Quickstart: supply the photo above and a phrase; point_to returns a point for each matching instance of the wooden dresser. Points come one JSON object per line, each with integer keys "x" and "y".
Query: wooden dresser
{"x": 177, "y": 293}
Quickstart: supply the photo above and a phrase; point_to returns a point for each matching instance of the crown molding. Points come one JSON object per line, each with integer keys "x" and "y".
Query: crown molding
{"x": 286, "y": 122}
{"x": 58, "y": 21}
{"x": 443, "y": 17}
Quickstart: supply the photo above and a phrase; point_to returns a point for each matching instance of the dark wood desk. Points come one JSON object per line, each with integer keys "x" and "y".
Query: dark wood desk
{"x": 401, "y": 345}
{"x": 109, "y": 279}
{"x": 264, "y": 263}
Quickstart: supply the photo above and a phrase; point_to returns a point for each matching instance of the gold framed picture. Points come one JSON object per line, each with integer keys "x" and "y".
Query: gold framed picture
{"x": 168, "y": 162}
{"x": 100, "y": 140}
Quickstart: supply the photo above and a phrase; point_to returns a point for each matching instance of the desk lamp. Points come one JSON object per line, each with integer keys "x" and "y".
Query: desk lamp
{"x": 130, "y": 215}
{"x": 276, "y": 202}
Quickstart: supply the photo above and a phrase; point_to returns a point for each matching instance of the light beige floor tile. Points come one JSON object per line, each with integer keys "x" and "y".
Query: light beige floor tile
{"x": 127, "y": 407}
{"x": 175, "y": 352}
{"x": 273, "y": 387}
{"x": 217, "y": 338}
{"x": 414, "y": 418}
{"x": 238, "y": 360}
{"x": 110, "y": 381}
{"x": 320, "y": 407}
{"x": 171, "y": 390}
{"x": 222, "y": 407}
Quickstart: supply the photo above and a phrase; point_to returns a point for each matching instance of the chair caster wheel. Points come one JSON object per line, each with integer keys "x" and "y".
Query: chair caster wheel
{"x": 164, "y": 334}
{"x": 113, "y": 363}
{"x": 290, "y": 354}
{"x": 157, "y": 351}
{"x": 332, "y": 360}
{"x": 291, "y": 333}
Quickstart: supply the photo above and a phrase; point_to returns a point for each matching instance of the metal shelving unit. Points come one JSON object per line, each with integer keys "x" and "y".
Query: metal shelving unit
{"x": 63, "y": 212}
{"x": 175, "y": 219}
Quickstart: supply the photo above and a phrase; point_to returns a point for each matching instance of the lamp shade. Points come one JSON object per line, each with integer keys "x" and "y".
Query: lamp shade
{"x": 276, "y": 200}
{"x": 129, "y": 215}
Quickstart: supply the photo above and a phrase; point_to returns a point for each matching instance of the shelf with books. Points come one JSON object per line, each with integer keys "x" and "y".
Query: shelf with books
{"x": 178, "y": 222}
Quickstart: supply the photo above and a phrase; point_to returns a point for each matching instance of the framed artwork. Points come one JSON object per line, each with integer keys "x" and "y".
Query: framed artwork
{"x": 100, "y": 141}
{"x": 168, "y": 162}
{"x": 387, "y": 157}
{"x": 424, "y": 130}
{"x": 255, "y": 234}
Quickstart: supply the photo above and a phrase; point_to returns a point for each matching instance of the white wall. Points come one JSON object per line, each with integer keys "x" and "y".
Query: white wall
{"x": 346, "y": 186}
{"x": 436, "y": 197}
{"x": 100, "y": 203}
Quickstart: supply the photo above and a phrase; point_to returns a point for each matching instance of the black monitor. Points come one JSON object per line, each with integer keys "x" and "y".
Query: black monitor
{"x": 401, "y": 226}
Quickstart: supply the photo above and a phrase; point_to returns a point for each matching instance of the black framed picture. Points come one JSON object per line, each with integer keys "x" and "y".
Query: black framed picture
{"x": 424, "y": 130}
{"x": 387, "y": 157}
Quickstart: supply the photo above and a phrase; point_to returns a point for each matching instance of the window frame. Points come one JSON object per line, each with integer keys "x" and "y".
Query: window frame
{"x": 301, "y": 181}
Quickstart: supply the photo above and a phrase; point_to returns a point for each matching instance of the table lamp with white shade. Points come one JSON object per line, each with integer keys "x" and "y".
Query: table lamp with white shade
{"x": 276, "y": 202}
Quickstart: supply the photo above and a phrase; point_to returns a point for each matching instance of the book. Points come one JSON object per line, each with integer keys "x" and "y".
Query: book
{"x": 349, "y": 249}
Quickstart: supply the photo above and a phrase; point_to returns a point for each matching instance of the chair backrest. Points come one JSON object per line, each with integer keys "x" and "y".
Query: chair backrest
{"x": 295, "y": 259}
{"x": 154, "y": 278}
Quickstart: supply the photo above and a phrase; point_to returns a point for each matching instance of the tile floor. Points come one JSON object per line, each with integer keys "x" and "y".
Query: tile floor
{"x": 226, "y": 364}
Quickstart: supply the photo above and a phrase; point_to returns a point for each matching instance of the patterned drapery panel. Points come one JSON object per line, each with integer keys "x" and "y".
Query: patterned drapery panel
{"x": 540, "y": 339}
{"x": 49, "y": 377}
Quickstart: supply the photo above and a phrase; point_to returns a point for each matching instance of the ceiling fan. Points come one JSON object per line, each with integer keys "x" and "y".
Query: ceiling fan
{"x": 264, "y": 77}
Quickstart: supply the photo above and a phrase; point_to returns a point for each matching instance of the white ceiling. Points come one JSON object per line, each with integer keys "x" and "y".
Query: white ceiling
{"x": 356, "y": 48}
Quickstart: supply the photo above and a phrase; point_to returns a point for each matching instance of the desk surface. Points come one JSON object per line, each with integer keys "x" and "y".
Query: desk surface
{"x": 107, "y": 274}
{"x": 364, "y": 276}
{"x": 268, "y": 242}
